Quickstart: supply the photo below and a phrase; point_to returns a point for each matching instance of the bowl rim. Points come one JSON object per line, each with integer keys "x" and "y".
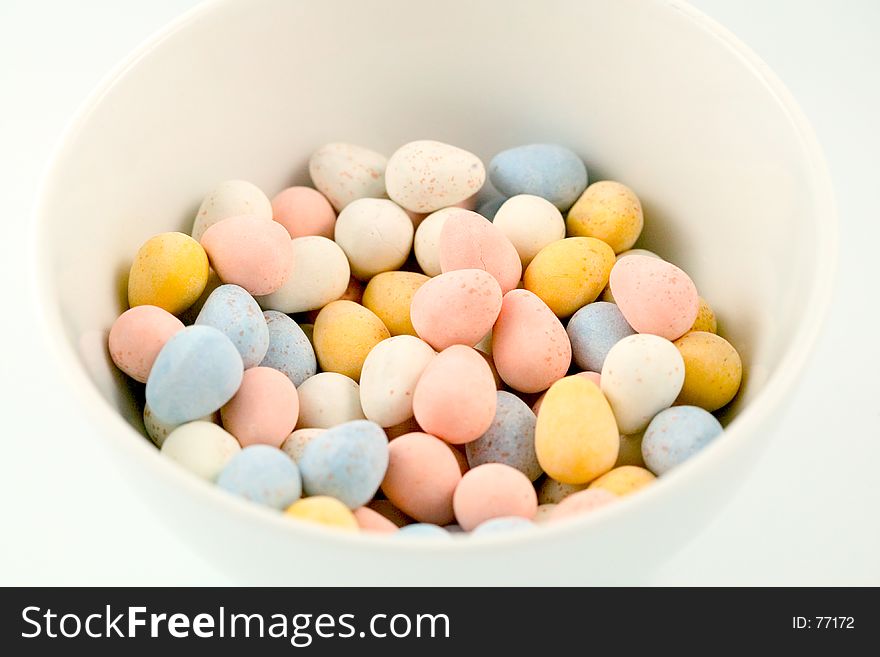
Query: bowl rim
{"x": 775, "y": 392}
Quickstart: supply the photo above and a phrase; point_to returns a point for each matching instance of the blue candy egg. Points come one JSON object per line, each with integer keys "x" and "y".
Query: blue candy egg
{"x": 289, "y": 348}
{"x": 502, "y": 525}
{"x": 423, "y": 530}
{"x": 197, "y": 371}
{"x": 510, "y": 438}
{"x": 675, "y": 435}
{"x": 347, "y": 462}
{"x": 232, "y": 310}
{"x": 489, "y": 208}
{"x": 547, "y": 170}
{"x": 593, "y": 330}
{"x": 264, "y": 475}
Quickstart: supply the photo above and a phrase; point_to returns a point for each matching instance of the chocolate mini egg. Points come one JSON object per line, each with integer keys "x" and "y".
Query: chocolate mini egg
{"x": 493, "y": 490}
{"x": 203, "y": 448}
{"x": 582, "y": 502}
{"x": 170, "y": 271}
{"x": 304, "y": 211}
{"x": 530, "y": 223}
{"x": 675, "y": 435}
{"x": 551, "y": 491}
{"x": 529, "y": 345}
{"x": 346, "y": 172}
{"x": 623, "y": 480}
{"x": 375, "y": 234}
{"x": 469, "y": 241}
{"x": 389, "y": 377}
{"x": 264, "y": 409}
{"x": 262, "y": 474}
{"x": 328, "y": 399}
{"x": 609, "y": 211}
{"x": 345, "y": 332}
{"x": 290, "y": 350}
{"x": 371, "y": 521}
{"x": 458, "y": 307}
{"x": 447, "y": 408}
{"x": 233, "y": 311}
{"x": 426, "y": 243}
{"x": 390, "y": 295}
{"x": 712, "y": 370}
{"x": 296, "y": 442}
{"x": 137, "y": 336}
{"x": 510, "y": 439}
{"x": 550, "y": 171}
{"x": 593, "y": 330}
{"x": 705, "y": 320}
{"x": 323, "y": 510}
{"x": 232, "y": 198}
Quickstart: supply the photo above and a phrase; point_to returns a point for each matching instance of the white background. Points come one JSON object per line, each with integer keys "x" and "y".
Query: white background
{"x": 809, "y": 513}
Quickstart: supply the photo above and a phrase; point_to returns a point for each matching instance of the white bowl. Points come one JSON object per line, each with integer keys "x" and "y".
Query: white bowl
{"x": 650, "y": 93}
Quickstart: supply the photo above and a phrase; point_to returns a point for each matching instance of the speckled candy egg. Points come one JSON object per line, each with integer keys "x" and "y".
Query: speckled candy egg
{"x": 469, "y": 241}
{"x": 493, "y": 490}
{"x": 570, "y": 273}
{"x": 529, "y": 345}
{"x": 447, "y": 407}
{"x": 376, "y": 235}
{"x": 426, "y": 243}
{"x": 203, "y": 448}
{"x": 424, "y": 176}
{"x": 390, "y": 295}
{"x": 712, "y": 370}
{"x": 264, "y": 410}
{"x": 296, "y": 442}
{"x": 170, "y": 271}
{"x": 675, "y": 435}
{"x": 593, "y": 330}
{"x": 323, "y": 510}
{"x": 623, "y": 480}
{"x": 550, "y": 171}
{"x": 346, "y": 172}
{"x": 347, "y": 462}
{"x": 328, "y": 399}
{"x": 530, "y": 223}
{"x": 137, "y": 336}
{"x": 582, "y": 502}
{"x": 510, "y": 439}
{"x": 320, "y": 274}
{"x": 421, "y": 478}
{"x": 371, "y": 521}
{"x": 576, "y": 437}
{"x": 304, "y": 211}
{"x": 641, "y": 376}
{"x": 235, "y": 313}
{"x": 389, "y": 377}
{"x": 232, "y": 198}
{"x": 345, "y": 332}
{"x": 551, "y": 491}
{"x": 503, "y": 525}
{"x": 654, "y": 296}
{"x": 264, "y": 475}
{"x": 290, "y": 350}
{"x": 458, "y": 307}
{"x": 197, "y": 371}
{"x": 705, "y": 320}
{"x": 158, "y": 431}
{"x": 609, "y": 211}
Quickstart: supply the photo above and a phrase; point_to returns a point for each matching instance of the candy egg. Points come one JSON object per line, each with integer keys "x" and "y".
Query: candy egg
{"x": 449, "y": 410}
{"x": 346, "y": 172}
{"x": 502, "y": 525}
{"x": 593, "y": 330}
{"x": 583, "y": 502}
{"x": 642, "y": 375}
{"x": 510, "y": 438}
{"x": 570, "y": 273}
{"x": 371, "y": 521}
{"x": 264, "y": 475}
{"x": 469, "y": 241}
{"x": 235, "y": 313}
{"x": 264, "y": 410}
{"x": 304, "y": 211}
{"x": 421, "y": 478}
{"x": 232, "y": 198}
{"x": 347, "y": 462}
{"x": 530, "y": 223}
{"x": 499, "y": 384}
{"x": 345, "y": 332}
{"x": 550, "y": 171}
{"x": 493, "y": 490}
{"x": 422, "y": 530}
{"x": 458, "y": 307}
{"x": 296, "y": 442}
{"x": 389, "y": 295}
{"x": 675, "y": 435}
{"x": 328, "y": 399}
{"x": 158, "y": 431}
{"x": 426, "y": 243}
{"x": 137, "y": 336}
{"x": 389, "y": 377}
{"x": 529, "y": 345}
{"x": 712, "y": 370}
{"x": 623, "y": 480}
{"x": 170, "y": 271}
{"x": 197, "y": 371}
{"x": 576, "y": 437}
{"x": 203, "y": 448}
{"x": 290, "y": 350}
{"x": 609, "y": 211}
{"x": 654, "y": 296}
{"x": 705, "y": 320}
{"x": 543, "y": 513}
{"x": 553, "y": 492}
{"x": 375, "y": 234}
{"x": 323, "y": 510}
{"x": 425, "y": 175}
{"x": 387, "y": 510}
{"x": 320, "y": 274}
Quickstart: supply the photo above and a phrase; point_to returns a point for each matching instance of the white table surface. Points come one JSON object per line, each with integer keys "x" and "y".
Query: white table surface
{"x": 808, "y": 513}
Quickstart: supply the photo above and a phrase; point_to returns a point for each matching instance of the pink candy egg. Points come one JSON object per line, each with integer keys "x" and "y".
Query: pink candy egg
{"x": 470, "y": 241}
{"x": 421, "y": 477}
{"x": 373, "y": 521}
{"x": 137, "y": 336}
{"x": 654, "y": 296}
{"x": 458, "y": 307}
{"x": 264, "y": 410}
{"x": 493, "y": 490}
{"x": 304, "y": 211}
{"x": 530, "y": 347}
{"x": 249, "y": 251}
{"x": 455, "y": 396}
{"x": 582, "y": 502}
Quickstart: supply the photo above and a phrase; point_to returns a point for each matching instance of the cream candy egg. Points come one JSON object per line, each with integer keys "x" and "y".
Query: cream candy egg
{"x": 346, "y": 172}
{"x": 470, "y": 241}
{"x": 642, "y": 375}
{"x": 328, "y": 399}
{"x": 137, "y": 336}
{"x": 426, "y": 175}
{"x": 296, "y": 442}
{"x": 203, "y": 448}
{"x": 530, "y": 223}
{"x": 426, "y": 243}
{"x": 389, "y": 377}
{"x": 231, "y": 199}
{"x": 375, "y": 234}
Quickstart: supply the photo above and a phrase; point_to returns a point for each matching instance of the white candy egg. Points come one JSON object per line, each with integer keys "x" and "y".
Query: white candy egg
{"x": 427, "y": 241}
{"x": 376, "y": 235}
{"x": 530, "y": 223}
{"x": 328, "y": 399}
{"x": 389, "y": 378}
{"x": 231, "y": 199}
{"x": 203, "y": 448}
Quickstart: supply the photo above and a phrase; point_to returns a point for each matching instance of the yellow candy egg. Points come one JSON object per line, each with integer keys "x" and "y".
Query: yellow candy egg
{"x": 576, "y": 438}
{"x": 323, "y": 510}
{"x": 389, "y": 295}
{"x": 624, "y": 480}
{"x": 705, "y": 320}
{"x": 570, "y": 273}
{"x": 712, "y": 370}
{"x": 170, "y": 270}
{"x": 609, "y": 211}
{"x": 344, "y": 333}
